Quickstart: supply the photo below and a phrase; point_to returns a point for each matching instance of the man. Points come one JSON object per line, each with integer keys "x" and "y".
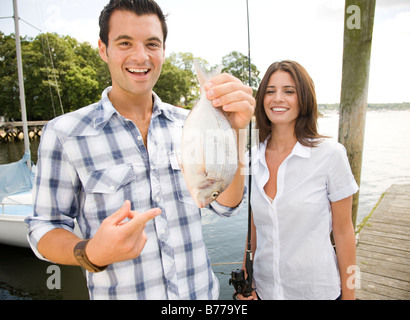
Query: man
{"x": 112, "y": 166}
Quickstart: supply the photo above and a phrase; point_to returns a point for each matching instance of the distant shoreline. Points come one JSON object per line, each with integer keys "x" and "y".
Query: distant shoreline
{"x": 370, "y": 106}
{"x": 321, "y": 107}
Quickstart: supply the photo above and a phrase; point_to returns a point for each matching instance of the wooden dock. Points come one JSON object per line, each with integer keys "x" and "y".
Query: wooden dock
{"x": 13, "y": 131}
{"x": 383, "y": 251}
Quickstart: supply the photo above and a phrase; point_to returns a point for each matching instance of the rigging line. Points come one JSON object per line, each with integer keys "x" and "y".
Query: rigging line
{"x": 48, "y": 77}
{"x": 41, "y": 18}
{"x": 52, "y": 65}
{"x": 30, "y": 25}
{"x": 225, "y": 263}
{"x": 54, "y": 73}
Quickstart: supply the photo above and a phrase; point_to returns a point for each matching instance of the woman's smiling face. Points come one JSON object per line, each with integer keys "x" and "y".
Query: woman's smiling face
{"x": 281, "y": 100}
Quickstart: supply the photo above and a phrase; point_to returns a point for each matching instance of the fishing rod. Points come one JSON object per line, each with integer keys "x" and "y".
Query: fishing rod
{"x": 249, "y": 258}
{"x": 242, "y": 285}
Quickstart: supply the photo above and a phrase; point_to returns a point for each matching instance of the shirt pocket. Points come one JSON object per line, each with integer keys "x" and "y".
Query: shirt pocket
{"x": 110, "y": 180}
{"x": 107, "y": 189}
{"x": 179, "y": 181}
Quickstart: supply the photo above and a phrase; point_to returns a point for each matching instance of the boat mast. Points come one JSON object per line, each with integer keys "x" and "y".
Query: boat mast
{"x": 21, "y": 82}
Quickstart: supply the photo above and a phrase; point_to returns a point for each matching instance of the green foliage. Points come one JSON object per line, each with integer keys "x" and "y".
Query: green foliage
{"x": 59, "y": 68}
{"x": 173, "y": 84}
{"x": 178, "y": 83}
{"x": 54, "y": 68}
{"x": 237, "y": 64}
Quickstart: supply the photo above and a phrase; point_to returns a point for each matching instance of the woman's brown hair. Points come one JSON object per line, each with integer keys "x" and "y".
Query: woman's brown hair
{"x": 306, "y": 122}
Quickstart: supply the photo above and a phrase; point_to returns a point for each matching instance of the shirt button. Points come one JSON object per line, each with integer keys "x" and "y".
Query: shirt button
{"x": 157, "y": 199}
{"x": 139, "y": 138}
{"x": 112, "y": 188}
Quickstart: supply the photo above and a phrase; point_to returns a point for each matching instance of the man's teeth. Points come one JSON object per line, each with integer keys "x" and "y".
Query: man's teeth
{"x": 137, "y": 70}
{"x": 279, "y": 109}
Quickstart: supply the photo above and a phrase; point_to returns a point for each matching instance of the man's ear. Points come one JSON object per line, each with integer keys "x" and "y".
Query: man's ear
{"x": 102, "y": 50}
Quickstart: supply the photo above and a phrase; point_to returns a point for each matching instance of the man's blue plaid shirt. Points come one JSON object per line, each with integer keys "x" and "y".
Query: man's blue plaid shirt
{"x": 89, "y": 162}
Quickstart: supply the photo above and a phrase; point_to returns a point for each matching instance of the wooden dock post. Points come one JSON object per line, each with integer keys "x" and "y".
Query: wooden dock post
{"x": 13, "y": 131}
{"x": 383, "y": 251}
{"x": 358, "y": 31}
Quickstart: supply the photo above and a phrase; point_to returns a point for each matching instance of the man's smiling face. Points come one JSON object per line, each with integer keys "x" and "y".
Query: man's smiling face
{"x": 135, "y": 52}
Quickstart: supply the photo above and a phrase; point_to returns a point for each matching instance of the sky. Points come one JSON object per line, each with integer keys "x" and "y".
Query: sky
{"x": 310, "y": 32}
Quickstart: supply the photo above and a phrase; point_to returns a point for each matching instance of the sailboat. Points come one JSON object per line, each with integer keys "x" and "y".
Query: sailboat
{"x": 16, "y": 179}
{"x": 16, "y": 182}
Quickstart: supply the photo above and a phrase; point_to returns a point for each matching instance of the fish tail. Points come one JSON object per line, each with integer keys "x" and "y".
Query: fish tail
{"x": 203, "y": 76}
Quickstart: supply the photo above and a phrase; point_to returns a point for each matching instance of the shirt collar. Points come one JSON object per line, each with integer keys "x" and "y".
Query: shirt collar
{"x": 301, "y": 151}
{"x": 164, "y": 109}
{"x": 105, "y": 109}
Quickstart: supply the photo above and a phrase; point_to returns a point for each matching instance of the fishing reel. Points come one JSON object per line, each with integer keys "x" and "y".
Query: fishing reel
{"x": 242, "y": 286}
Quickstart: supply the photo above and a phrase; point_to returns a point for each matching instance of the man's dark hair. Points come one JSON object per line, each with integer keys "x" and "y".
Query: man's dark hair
{"x": 139, "y": 7}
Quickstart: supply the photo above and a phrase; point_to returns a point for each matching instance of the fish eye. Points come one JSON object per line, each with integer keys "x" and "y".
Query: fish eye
{"x": 215, "y": 195}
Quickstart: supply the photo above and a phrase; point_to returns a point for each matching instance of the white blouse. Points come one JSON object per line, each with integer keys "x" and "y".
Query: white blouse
{"x": 294, "y": 258}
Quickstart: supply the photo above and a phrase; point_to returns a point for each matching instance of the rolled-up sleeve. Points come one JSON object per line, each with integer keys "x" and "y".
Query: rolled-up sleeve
{"x": 341, "y": 182}
{"x": 227, "y": 212}
{"x": 54, "y": 192}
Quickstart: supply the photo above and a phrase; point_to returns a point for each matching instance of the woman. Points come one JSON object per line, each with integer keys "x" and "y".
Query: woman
{"x": 302, "y": 189}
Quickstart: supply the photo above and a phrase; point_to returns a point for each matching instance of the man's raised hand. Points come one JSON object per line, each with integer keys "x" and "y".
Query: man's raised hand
{"x": 121, "y": 236}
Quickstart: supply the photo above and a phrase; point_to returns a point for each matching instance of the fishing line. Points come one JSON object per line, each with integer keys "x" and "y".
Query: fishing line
{"x": 249, "y": 258}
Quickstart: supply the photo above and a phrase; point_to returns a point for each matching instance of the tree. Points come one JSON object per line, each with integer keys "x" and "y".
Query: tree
{"x": 178, "y": 84}
{"x": 76, "y": 72}
{"x": 171, "y": 85}
{"x": 185, "y": 62}
{"x": 9, "y": 92}
{"x": 237, "y": 64}
{"x": 56, "y": 68}
{"x": 62, "y": 73}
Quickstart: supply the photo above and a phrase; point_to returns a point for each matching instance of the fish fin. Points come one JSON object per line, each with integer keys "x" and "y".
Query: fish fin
{"x": 203, "y": 76}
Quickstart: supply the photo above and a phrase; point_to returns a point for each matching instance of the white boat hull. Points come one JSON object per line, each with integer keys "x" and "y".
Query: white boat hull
{"x": 13, "y": 210}
{"x": 13, "y": 231}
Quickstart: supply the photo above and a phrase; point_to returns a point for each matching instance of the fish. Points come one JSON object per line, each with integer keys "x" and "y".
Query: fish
{"x": 208, "y": 153}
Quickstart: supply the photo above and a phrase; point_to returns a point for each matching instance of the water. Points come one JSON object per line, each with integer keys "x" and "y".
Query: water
{"x": 386, "y": 154}
{"x": 12, "y": 152}
{"x": 24, "y": 277}
{"x": 385, "y": 162}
